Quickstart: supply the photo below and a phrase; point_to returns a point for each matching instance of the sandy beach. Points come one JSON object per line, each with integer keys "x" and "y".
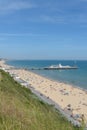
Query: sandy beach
{"x": 66, "y": 96}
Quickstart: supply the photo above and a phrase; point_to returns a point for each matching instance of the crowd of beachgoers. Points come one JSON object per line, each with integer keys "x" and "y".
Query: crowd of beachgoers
{"x": 72, "y": 101}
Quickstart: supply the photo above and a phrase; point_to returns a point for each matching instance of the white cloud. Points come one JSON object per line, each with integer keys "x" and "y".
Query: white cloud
{"x": 20, "y": 34}
{"x": 53, "y": 19}
{"x": 15, "y": 5}
{"x": 61, "y": 12}
{"x": 50, "y": 11}
{"x": 60, "y": 19}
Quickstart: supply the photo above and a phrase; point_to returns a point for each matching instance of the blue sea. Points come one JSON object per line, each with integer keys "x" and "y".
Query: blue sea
{"x": 76, "y": 77}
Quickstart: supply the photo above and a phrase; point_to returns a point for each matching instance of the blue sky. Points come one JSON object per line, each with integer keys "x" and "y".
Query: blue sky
{"x": 43, "y": 29}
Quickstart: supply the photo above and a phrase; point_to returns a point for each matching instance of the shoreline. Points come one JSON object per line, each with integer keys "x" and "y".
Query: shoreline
{"x": 71, "y": 99}
{"x": 59, "y": 81}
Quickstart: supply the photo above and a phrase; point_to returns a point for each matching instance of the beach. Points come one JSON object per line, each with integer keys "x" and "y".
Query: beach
{"x": 70, "y": 99}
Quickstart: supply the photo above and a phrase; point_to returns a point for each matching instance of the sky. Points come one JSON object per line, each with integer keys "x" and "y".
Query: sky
{"x": 43, "y": 29}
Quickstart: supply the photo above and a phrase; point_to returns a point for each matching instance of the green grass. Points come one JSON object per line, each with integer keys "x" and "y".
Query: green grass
{"x": 20, "y": 109}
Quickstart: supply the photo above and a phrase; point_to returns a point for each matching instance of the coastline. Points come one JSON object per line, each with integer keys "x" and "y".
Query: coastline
{"x": 73, "y": 77}
{"x": 69, "y": 98}
{"x": 59, "y": 81}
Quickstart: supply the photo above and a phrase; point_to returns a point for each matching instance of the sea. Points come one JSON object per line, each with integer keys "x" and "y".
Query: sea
{"x": 75, "y": 77}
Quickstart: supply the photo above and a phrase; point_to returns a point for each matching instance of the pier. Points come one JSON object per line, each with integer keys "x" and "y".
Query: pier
{"x": 48, "y": 68}
{"x": 56, "y": 67}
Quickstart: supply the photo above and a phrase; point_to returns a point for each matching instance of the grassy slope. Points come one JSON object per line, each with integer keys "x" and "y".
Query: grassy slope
{"x": 22, "y": 110}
